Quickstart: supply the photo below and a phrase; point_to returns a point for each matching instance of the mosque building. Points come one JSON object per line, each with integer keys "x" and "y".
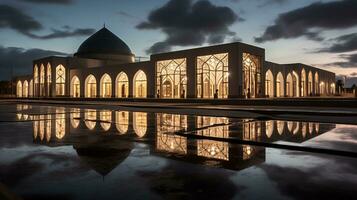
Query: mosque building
{"x": 105, "y": 67}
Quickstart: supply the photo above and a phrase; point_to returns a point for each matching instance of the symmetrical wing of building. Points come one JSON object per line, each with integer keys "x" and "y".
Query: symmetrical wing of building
{"x": 105, "y": 67}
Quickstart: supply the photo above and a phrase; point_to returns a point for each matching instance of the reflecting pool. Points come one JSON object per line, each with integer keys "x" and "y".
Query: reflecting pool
{"x": 84, "y": 152}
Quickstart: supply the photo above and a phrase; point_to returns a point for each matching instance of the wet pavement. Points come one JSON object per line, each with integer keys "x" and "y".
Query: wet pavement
{"x": 110, "y": 152}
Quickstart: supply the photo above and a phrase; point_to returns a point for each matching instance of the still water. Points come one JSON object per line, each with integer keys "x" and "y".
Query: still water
{"x": 57, "y": 152}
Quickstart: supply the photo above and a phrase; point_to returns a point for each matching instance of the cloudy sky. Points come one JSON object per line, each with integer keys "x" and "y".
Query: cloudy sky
{"x": 319, "y": 33}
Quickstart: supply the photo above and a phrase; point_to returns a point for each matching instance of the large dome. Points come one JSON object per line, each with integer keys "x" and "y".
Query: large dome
{"x": 105, "y": 45}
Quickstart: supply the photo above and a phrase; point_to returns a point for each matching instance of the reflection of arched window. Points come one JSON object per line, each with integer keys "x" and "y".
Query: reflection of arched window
{"x": 106, "y": 86}
{"x": 269, "y": 84}
{"x": 309, "y": 84}
{"x": 280, "y": 126}
{"x": 48, "y": 127}
{"x": 140, "y": 123}
{"x": 140, "y": 85}
{"x": 317, "y": 128}
{"x": 322, "y": 88}
{"x": 303, "y": 129}
{"x": 251, "y": 75}
{"x": 60, "y": 123}
{"x": 280, "y": 85}
{"x": 212, "y": 76}
{"x": 75, "y": 117}
{"x": 122, "y": 85}
{"x": 90, "y": 117}
{"x": 35, "y": 78}
{"x": 105, "y": 119}
{"x": 90, "y": 87}
{"x": 19, "y": 89}
{"x": 122, "y": 121}
{"x": 75, "y": 87}
{"x": 60, "y": 80}
{"x": 303, "y": 83}
{"x": 269, "y": 128}
{"x": 25, "y": 89}
{"x": 42, "y": 80}
{"x": 49, "y": 80}
{"x": 296, "y": 127}
{"x": 311, "y": 127}
{"x": 290, "y": 126}
{"x": 171, "y": 78}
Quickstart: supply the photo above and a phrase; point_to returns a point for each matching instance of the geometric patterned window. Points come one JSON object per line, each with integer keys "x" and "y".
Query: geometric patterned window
{"x": 251, "y": 75}
{"x": 60, "y": 80}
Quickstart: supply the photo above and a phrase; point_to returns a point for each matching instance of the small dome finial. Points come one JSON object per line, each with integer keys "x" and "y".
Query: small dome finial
{"x": 104, "y": 25}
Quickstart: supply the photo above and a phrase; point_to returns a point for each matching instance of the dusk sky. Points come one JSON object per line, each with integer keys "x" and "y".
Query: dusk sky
{"x": 318, "y": 33}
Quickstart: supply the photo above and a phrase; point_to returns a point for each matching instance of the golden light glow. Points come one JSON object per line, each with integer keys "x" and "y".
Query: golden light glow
{"x": 269, "y": 84}
{"x": 60, "y": 123}
{"x": 25, "y": 89}
{"x": 106, "y": 119}
{"x": 19, "y": 89}
{"x": 251, "y": 75}
{"x": 90, "y": 87}
{"x": 140, "y": 85}
{"x": 269, "y": 128}
{"x": 90, "y": 117}
{"x": 75, "y": 115}
{"x": 140, "y": 123}
{"x": 280, "y": 85}
{"x": 106, "y": 86}
{"x": 122, "y": 85}
{"x": 75, "y": 87}
{"x": 122, "y": 121}
{"x": 60, "y": 80}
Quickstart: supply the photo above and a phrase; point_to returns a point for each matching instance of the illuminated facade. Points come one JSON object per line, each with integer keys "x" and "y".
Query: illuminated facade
{"x": 105, "y": 68}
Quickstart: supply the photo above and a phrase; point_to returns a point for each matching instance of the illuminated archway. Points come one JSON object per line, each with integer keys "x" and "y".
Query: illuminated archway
{"x": 310, "y": 84}
{"x": 289, "y": 85}
{"x": 49, "y": 80}
{"x": 31, "y": 88}
{"x": 122, "y": 85}
{"x": 295, "y": 85}
{"x": 279, "y": 85}
{"x": 140, "y": 84}
{"x": 322, "y": 88}
{"x": 90, "y": 87}
{"x": 269, "y": 84}
{"x": 332, "y": 88}
{"x": 303, "y": 83}
{"x": 60, "y": 80}
{"x": 35, "y": 78}
{"x": 106, "y": 86}
{"x": 19, "y": 89}
{"x": 42, "y": 80}
{"x": 25, "y": 89}
{"x": 317, "y": 84}
{"x": 251, "y": 75}
{"x": 75, "y": 87}
{"x": 122, "y": 121}
{"x": 140, "y": 123}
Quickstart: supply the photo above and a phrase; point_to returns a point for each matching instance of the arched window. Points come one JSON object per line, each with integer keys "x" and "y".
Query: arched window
{"x": 171, "y": 78}
{"x": 75, "y": 87}
{"x": 35, "y": 79}
{"x": 31, "y": 88}
{"x": 25, "y": 89}
{"x": 90, "y": 118}
{"x": 122, "y": 85}
{"x": 295, "y": 88}
{"x": 322, "y": 88}
{"x": 106, "y": 86}
{"x": 332, "y": 88}
{"x": 280, "y": 85}
{"x": 140, "y": 85}
{"x": 289, "y": 85}
{"x": 212, "y": 76}
{"x": 303, "y": 83}
{"x": 317, "y": 84}
{"x": 106, "y": 119}
{"x": 122, "y": 121}
{"x": 60, "y": 80}
{"x": 42, "y": 80}
{"x": 269, "y": 84}
{"x": 140, "y": 123}
{"x": 49, "y": 80}
{"x": 19, "y": 89}
{"x": 310, "y": 84}
{"x": 90, "y": 87}
{"x": 251, "y": 75}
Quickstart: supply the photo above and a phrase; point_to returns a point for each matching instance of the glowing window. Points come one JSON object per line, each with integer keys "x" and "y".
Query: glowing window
{"x": 122, "y": 85}
{"x": 106, "y": 86}
{"x": 251, "y": 75}
{"x": 303, "y": 83}
{"x": 75, "y": 87}
{"x": 25, "y": 89}
{"x": 49, "y": 79}
{"x": 60, "y": 80}
{"x": 171, "y": 78}
{"x": 19, "y": 89}
{"x": 90, "y": 87}
{"x": 140, "y": 85}
{"x": 280, "y": 85}
{"x": 269, "y": 84}
{"x": 309, "y": 84}
{"x": 212, "y": 76}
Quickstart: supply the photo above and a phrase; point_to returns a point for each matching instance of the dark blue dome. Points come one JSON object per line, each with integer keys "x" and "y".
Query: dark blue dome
{"x": 103, "y": 42}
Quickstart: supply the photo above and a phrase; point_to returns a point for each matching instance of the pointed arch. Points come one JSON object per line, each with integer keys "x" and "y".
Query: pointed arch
{"x": 289, "y": 85}
{"x": 303, "y": 83}
{"x": 25, "y": 89}
{"x": 269, "y": 84}
{"x": 35, "y": 79}
{"x": 295, "y": 88}
{"x": 309, "y": 84}
{"x": 140, "y": 85}
{"x": 75, "y": 87}
{"x": 31, "y": 88}
{"x": 42, "y": 80}
{"x": 49, "y": 80}
{"x": 317, "y": 83}
{"x": 122, "y": 85}
{"x": 60, "y": 80}
{"x": 280, "y": 85}
{"x": 106, "y": 86}
{"x": 90, "y": 86}
{"x": 19, "y": 89}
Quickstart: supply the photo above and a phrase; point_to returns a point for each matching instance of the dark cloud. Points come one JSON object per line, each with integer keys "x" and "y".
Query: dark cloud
{"x": 350, "y": 61}
{"x": 342, "y": 43}
{"x": 13, "y": 18}
{"x": 187, "y": 22}
{"x": 9, "y": 58}
{"x": 62, "y": 2}
{"x": 308, "y": 21}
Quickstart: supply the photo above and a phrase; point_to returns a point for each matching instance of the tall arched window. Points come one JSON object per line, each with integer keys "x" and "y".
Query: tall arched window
{"x": 310, "y": 84}
{"x": 171, "y": 78}
{"x": 31, "y": 88}
{"x": 140, "y": 123}
{"x": 25, "y": 89}
{"x": 90, "y": 87}
{"x": 122, "y": 85}
{"x": 42, "y": 80}
{"x": 106, "y": 86}
{"x": 280, "y": 85}
{"x": 251, "y": 75}
{"x": 303, "y": 83}
{"x": 49, "y": 80}
{"x": 212, "y": 76}
{"x": 60, "y": 80}
{"x": 296, "y": 90}
{"x": 289, "y": 85}
{"x": 269, "y": 84}
{"x": 75, "y": 87}
{"x": 317, "y": 83}
{"x": 140, "y": 85}
{"x": 19, "y": 89}
{"x": 35, "y": 78}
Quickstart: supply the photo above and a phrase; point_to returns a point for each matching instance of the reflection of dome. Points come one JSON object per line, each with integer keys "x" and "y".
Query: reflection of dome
{"x": 101, "y": 158}
{"x": 105, "y": 45}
